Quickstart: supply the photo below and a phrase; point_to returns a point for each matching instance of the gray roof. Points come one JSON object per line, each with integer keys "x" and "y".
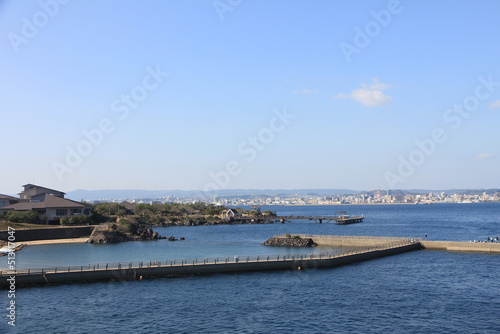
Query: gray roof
{"x": 2, "y": 196}
{"x": 128, "y": 205}
{"x": 34, "y": 185}
{"x": 49, "y": 202}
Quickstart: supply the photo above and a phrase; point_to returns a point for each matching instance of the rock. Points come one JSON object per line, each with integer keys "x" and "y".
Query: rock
{"x": 99, "y": 236}
{"x": 108, "y": 234}
{"x": 290, "y": 242}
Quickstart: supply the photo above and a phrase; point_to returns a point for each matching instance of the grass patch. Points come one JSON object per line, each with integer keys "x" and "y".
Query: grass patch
{"x": 4, "y": 226}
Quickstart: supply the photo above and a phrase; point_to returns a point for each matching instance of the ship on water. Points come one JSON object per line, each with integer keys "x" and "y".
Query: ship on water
{"x": 342, "y": 218}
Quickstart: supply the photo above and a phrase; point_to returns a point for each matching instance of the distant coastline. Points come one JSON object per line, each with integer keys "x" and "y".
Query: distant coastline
{"x": 347, "y": 204}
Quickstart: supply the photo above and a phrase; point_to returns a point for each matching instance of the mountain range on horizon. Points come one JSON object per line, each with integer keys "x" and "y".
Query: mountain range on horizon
{"x": 110, "y": 194}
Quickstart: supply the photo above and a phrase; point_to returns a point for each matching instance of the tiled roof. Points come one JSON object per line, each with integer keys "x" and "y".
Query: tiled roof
{"x": 34, "y": 185}
{"x": 2, "y": 196}
{"x": 50, "y": 201}
{"x": 128, "y": 205}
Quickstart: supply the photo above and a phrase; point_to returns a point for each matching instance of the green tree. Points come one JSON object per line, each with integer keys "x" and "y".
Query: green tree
{"x": 76, "y": 220}
{"x": 128, "y": 226}
{"x": 142, "y": 209}
{"x": 25, "y": 217}
{"x": 213, "y": 210}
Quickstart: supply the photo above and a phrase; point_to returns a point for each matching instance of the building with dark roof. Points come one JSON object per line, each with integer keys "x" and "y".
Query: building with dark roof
{"x": 31, "y": 190}
{"x": 7, "y": 200}
{"x": 48, "y": 203}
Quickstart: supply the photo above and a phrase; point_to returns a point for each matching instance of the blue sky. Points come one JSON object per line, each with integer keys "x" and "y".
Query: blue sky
{"x": 249, "y": 94}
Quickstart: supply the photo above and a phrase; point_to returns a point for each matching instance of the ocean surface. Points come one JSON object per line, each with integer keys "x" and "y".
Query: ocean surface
{"x": 417, "y": 292}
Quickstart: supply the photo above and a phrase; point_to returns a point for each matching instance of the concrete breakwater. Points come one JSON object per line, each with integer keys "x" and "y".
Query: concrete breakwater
{"x": 460, "y": 246}
{"x": 360, "y": 241}
{"x": 353, "y": 249}
{"x": 173, "y": 268}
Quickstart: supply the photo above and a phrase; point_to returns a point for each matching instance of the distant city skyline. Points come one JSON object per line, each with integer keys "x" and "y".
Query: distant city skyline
{"x": 275, "y": 94}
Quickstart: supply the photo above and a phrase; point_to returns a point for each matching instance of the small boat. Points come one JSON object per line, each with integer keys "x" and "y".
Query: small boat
{"x": 342, "y": 218}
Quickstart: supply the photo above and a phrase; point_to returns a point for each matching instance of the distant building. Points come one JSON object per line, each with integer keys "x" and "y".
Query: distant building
{"x": 129, "y": 206}
{"x": 48, "y": 203}
{"x": 230, "y": 213}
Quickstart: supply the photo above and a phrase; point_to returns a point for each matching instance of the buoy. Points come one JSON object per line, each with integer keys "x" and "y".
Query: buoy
{"x": 140, "y": 277}
{"x": 299, "y": 268}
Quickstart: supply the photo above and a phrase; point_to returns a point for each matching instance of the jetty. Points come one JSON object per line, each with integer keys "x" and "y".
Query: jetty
{"x": 341, "y": 218}
{"x": 363, "y": 241}
{"x": 350, "y": 249}
{"x": 124, "y": 271}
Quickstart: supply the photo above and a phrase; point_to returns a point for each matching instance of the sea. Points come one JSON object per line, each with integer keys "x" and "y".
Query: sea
{"x": 417, "y": 292}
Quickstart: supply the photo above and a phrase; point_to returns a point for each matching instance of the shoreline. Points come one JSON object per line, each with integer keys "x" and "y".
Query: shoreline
{"x": 55, "y": 241}
{"x": 20, "y": 245}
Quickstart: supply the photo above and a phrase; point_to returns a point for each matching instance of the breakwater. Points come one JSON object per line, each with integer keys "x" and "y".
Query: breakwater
{"x": 348, "y": 240}
{"x": 360, "y": 241}
{"x": 460, "y": 246}
{"x": 207, "y": 266}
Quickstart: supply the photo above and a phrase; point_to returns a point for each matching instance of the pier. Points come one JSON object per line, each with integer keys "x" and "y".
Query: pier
{"x": 339, "y": 219}
{"x": 363, "y": 241}
{"x": 352, "y": 249}
{"x": 205, "y": 266}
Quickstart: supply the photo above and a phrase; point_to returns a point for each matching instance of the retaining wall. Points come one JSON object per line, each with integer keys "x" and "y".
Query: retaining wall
{"x": 460, "y": 246}
{"x": 49, "y": 233}
{"x": 360, "y": 241}
{"x": 306, "y": 263}
{"x": 346, "y": 240}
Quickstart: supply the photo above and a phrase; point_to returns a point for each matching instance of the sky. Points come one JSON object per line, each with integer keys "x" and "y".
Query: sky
{"x": 228, "y": 94}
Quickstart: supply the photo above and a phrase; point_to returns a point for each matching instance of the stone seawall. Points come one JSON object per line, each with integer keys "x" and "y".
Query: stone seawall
{"x": 137, "y": 273}
{"x": 461, "y": 246}
{"x": 347, "y": 241}
{"x": 49, "y": 233}
{"x": 361, "y": 241}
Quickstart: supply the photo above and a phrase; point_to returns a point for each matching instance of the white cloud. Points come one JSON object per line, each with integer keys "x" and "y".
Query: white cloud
{"x": 485, "y": 156}
{"x": 495, "y": 104}
{"x": 376, "y": 85}
{"x": 370, "y": 95}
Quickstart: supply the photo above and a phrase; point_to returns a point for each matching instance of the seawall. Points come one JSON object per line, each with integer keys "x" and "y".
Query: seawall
{"x": 460, "y": 246}
{"x": 346, "y": 240}
{"x": 203, "y": 267}
{"x": 49, "y": 233}
{"x": 363, "y": 241}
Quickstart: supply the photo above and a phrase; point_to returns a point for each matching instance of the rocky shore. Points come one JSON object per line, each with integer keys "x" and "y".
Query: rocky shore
{"x": 5, "y": 250}
{"x": 108, "y": 234}
{"x": 202, "y": 222}
{"x": 290, "y": 242}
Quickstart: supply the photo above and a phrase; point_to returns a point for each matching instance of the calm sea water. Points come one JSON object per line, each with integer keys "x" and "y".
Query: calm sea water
{"x": 417, "y": 292}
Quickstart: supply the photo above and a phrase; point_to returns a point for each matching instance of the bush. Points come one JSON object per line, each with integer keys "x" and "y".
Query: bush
{"x": 75, "y": 220}
{"x": 24, "y": 217}
{"x": 127, "y": 226}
